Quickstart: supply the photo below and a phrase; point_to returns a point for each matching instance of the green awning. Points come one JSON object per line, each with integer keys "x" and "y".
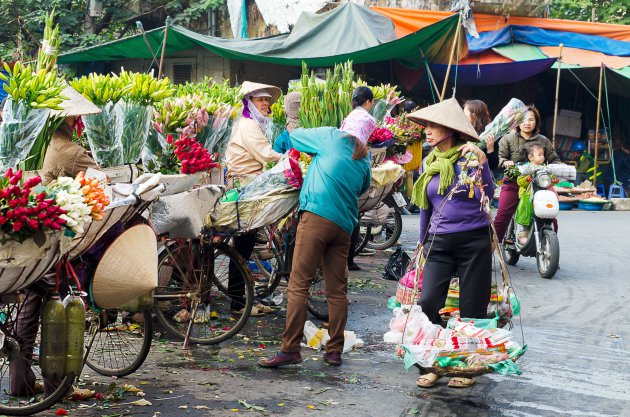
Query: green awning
{"x": 520, "y": 52}
{"x": 320, "y": 40}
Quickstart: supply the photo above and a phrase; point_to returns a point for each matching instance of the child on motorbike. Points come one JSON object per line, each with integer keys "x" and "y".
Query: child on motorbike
{"x": 536, "y": 156}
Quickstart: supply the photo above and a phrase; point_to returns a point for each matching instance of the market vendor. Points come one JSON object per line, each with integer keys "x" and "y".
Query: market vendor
{"x": 292, "y": 113}
{"x": 478, "y": 115}
{"x": 338, "y": 175}
{"x": 63, "y": 158}
{"x": 454, "y": 227}
{"x": 362, "y": 101}
{"x": 248, "y": 152}
{"x": 511, "y": 152}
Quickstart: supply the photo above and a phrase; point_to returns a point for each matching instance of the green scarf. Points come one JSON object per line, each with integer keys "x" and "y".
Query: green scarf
{"x": 437, "y": 162}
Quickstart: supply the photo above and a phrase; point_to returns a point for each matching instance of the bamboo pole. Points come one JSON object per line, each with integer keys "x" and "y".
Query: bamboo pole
{"x": 555, "y": 109}
{"x": 163, "y": 47}
{"x": 450, "y": 59}
{"x": 599, "y": 109}
{"x": 426, "y": 65}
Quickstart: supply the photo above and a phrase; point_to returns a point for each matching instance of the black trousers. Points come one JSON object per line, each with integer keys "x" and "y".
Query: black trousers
{"x": 354, "y": 240}
{"x": 470, "y": 255}
{"x": 244, "y": 245}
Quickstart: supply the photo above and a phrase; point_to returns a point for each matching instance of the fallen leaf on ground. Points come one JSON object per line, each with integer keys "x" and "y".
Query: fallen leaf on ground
{"x": 131, "y": 388}
{"x": 141, "y": 403}
{"x": 310, "y": 407}
{"x": 201, "y": 407}
{"x": 183, "y": 407}
{"x": 250, "y": 406}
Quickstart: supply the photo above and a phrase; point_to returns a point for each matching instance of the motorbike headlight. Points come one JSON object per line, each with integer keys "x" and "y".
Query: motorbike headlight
{"x": 543, "y": 180}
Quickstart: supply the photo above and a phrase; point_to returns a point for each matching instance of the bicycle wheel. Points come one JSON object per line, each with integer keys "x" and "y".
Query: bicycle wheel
{"x": 389, "y": 233}
{"x": 118, "y": 342}
{"x": 317, "y": 302}
{"x": 270, "y": 265}
{"x": 21, "y": 381}
{"x": 190, "y": 302}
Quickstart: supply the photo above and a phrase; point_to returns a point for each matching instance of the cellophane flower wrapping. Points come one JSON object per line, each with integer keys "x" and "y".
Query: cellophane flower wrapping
{"x": 284, "y": 176}
{"x": 216, "y": 134}
{"x": 508, "y": 118}
{"x": 20, "y": 127}
{"x": 69, "y": 196}
{"x": 105, "y": 144}
{"x": 133, "y": 122}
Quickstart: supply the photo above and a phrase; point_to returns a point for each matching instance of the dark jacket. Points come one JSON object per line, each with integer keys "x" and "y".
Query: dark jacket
{"x": 511, "y": 148}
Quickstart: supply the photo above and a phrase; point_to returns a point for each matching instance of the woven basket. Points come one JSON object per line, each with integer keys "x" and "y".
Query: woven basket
{"x": 378, "y": 156}
{"x": 416, "y": 151}
{"x": 404, "y": 295}
{"x": 456, "y": 371}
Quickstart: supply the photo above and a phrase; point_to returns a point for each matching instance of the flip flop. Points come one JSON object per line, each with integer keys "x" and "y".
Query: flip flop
{"x": 458, "y": 382}
{"x": 263, "y": 308}
{"x": 427, "y": 380}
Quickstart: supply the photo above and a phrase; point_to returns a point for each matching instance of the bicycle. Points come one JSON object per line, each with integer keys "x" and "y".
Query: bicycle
{"x": 281, "y": 243}
{"x": 193, "y": 301}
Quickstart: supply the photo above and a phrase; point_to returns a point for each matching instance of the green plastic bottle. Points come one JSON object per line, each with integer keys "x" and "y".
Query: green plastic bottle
{"x": 75, "y": 327}
{"x": 53, "y": 344}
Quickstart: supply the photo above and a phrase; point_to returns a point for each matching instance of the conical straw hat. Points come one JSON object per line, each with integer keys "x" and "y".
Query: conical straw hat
{"x": 76, "y": 105}
{"x": 447, "y": 113}
{"x": 249, "y": 87}
{"x": 128, "y": 269}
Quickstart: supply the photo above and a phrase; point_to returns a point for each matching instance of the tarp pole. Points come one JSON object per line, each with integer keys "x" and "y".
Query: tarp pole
{"x": 599, "y": 109}
{"x": 426, "y": 65}
{"x": 450, "y": 59}
{"x": 163, "y": 47}
{"x": 555, "y": 110}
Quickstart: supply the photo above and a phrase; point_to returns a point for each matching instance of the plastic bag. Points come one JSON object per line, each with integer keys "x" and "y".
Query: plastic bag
{"x": 409, "y": 279}
{"x": 101, "y": 134}
{"x": 524, "y": 210}
{"x": 133, "y": 122}
{"x": 508, "y": 118}
{"x": 377, "y": 216}
{"x": 19, "y": 130}
{"x": 396, "y": 265}
{"x": 285, "y": 176}
{"x": 156, "y": 144}
{"x": 216, "y": 134}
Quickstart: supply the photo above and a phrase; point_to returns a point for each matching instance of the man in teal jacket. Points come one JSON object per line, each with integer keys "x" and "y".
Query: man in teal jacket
{"x": 339, "y": 173}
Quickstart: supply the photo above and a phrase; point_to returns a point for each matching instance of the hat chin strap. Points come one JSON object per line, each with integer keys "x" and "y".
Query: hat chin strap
{"x": 443, "y": 139}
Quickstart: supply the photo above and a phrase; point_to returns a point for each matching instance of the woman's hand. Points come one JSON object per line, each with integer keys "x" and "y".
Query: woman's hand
{"x": 469, "y": 147}
{"x": 489, "y": 143}
{"x": 508, "y": 164}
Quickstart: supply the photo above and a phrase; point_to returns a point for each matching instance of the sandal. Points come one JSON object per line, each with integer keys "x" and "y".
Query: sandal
{"x": 263, "y": 308}
{"x": 79, "y": 394}
{"x": 427, "y": 380}
{"x": 254, "y": 313}
{"x": 458, "y": 382}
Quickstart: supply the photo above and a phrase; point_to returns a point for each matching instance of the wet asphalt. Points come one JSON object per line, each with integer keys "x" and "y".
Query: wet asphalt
{"x": 575, "y": 326}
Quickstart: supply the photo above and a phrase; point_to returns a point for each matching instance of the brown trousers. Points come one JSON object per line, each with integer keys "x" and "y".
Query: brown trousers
{"x": 318, "y": 239}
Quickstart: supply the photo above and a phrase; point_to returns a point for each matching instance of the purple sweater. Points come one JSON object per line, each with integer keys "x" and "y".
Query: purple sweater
{"x": 460, "y": 213}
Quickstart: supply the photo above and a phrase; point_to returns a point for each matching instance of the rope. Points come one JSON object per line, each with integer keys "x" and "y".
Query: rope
{"x": 456, "y": 64}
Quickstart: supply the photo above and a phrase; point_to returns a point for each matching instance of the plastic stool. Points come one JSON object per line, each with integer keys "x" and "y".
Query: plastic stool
{"x": 601, "y": 190}
{"x": 616, "y": 191}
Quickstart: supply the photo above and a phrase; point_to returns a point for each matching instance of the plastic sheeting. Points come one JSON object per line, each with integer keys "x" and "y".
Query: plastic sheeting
{"x": 285, "y": 13}
{"x": 319, "y": 40}
{"x": 493, "y": 74}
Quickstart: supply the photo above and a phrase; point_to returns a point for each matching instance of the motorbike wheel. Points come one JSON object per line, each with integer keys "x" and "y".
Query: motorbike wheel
{"x": 365, "y": 233}
{"x": 549, "y": 259}
{"x": 390, "y": 232}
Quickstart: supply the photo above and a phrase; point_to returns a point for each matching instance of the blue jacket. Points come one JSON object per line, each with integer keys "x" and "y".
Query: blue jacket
{"x": 282, "y": 143}
{"x": 334, "y": 181}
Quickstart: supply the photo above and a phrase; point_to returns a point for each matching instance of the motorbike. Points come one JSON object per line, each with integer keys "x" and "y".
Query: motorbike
{"x": 542, "y": 240}
{"x": 381, "y": 227}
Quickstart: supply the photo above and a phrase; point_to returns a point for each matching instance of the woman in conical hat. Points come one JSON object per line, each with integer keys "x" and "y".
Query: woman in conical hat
{"x": 454, "y": 227}
{"x": 248, "y": 152}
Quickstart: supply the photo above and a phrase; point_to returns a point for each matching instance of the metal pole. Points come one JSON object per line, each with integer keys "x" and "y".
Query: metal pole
{"x": 168, "y": 21}
{"x": 599, "y": 109}
{"x": 555, "y": 110}
{"x": 450, "y": 59}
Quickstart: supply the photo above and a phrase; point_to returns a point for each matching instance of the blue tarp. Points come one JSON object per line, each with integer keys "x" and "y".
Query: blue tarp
{"x": 543, "y": 37}
{"x": 492, "y": 74}
{"x": 3, "y": 93}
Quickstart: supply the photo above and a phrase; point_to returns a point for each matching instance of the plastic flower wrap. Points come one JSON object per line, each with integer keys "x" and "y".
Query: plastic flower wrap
{"x": 23, "y": 210}
{"x": 284, "y": 176}
{"x": 508, "y": 118}
{"x": 69, "y": 196}
{"x": 380, "y": 137}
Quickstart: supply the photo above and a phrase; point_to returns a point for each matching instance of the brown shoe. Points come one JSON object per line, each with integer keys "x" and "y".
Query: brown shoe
{"x": 333, "y": 358}
{"x": 281, "y": 359}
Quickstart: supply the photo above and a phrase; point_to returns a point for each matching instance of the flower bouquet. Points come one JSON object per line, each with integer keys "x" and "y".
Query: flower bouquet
{"x": 284, "y": 176}
{"x": 26, "y": 111}
{"x": 508, "y": 118}
{"x": 69, "y": 196}
{"x": 381, "y": 137}
{"x": 385, "y": 99}
{"x": 133, "y": 112}
{"x": 104, "y": 91}
{"x": 304, "y": 160}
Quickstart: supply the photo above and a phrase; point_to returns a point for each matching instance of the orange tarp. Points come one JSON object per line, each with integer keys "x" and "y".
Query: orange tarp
{"x": 485, "y": 57}
{"x": 407, "y": 21}
{"x": 585, "y": 58}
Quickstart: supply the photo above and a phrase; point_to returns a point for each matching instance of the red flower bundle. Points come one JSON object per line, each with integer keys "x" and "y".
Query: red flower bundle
{"x": 23, "y": 213}
{"x": 380, "y": 134}
{"x": 192, "y": 156}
